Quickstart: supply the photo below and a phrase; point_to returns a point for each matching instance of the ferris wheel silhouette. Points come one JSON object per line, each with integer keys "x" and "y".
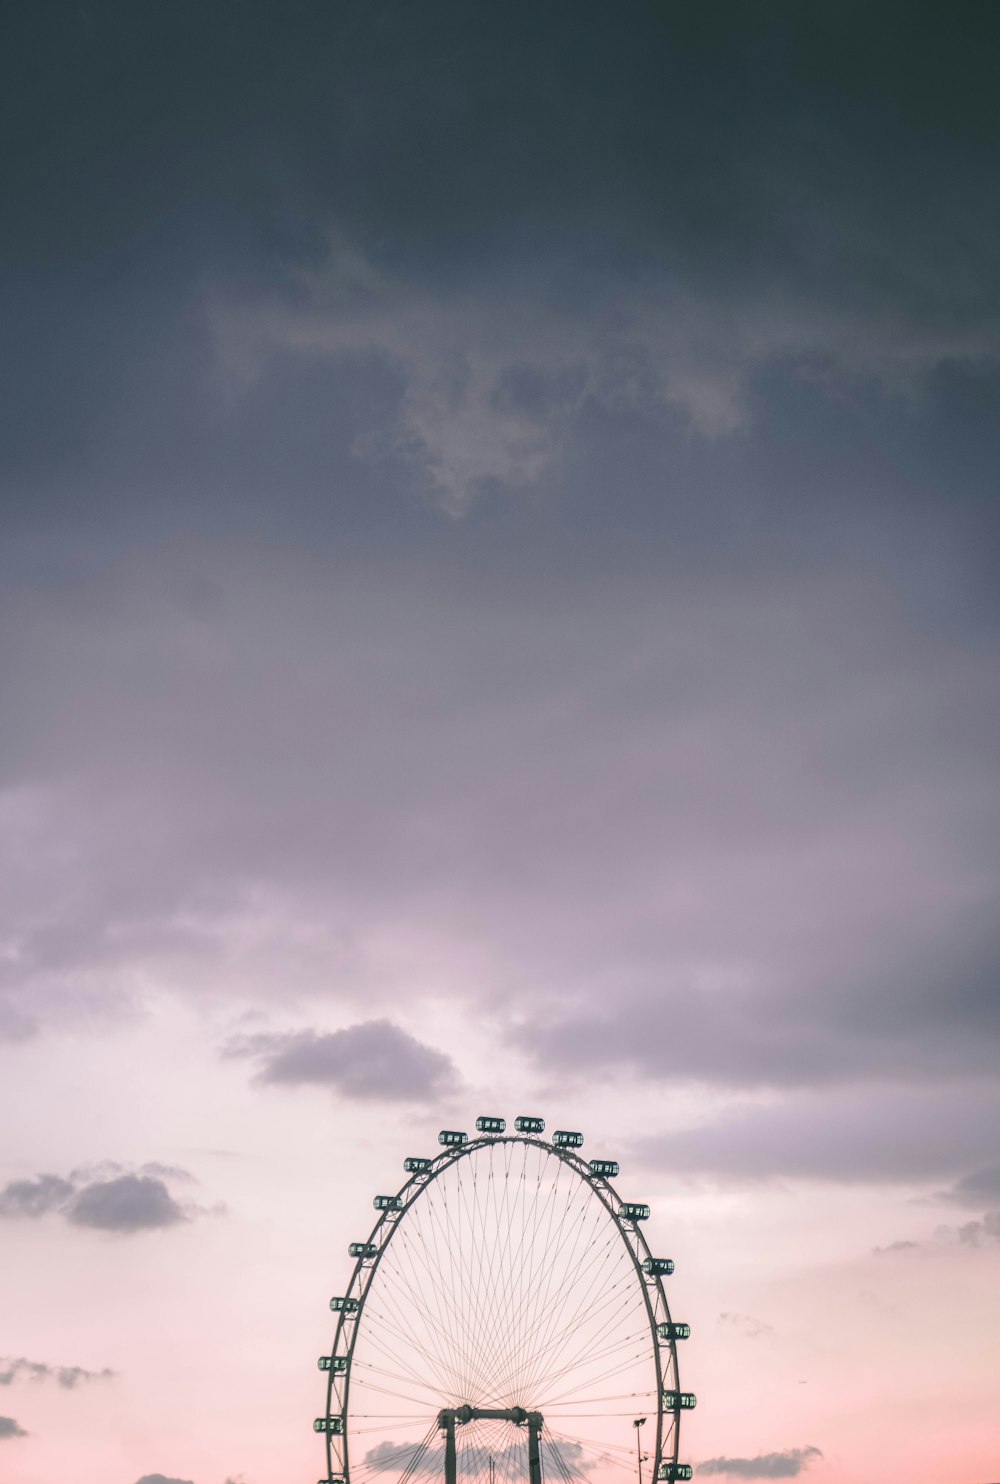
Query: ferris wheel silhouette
{"x": 503, "y": 1320}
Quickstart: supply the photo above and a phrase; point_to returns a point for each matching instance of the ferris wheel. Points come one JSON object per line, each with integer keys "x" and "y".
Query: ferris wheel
{"x": 505, "y": 1321}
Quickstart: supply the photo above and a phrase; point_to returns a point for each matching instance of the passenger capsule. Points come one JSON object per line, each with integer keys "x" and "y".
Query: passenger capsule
{"x": 529, "y": 1125}
{"x": 606, "y": 1167}
{"x": 564, "y": 1139}
{"x": 344, "y": 1305}
{"x": 362, "y": 1249}
{"x": 491, "y": 1125}
{"x": 673, "y": 1331}
{"x": 450, "y": 1136}
{"x": 633, "y": 1211}
{"x": 335, "y": 1363}
{"x": 329, "y": 1424}
{"x": 679, "y": 1401}
{"x": 388, "y": 1203}
{"x": 653, "y": 1266}
{"x": 415, "y": 1165}
{"x": 674, "y": 1471}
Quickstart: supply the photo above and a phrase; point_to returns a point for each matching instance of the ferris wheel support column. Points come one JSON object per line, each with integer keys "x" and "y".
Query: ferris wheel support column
{"x": 447, "y": 1421}
{"x": 534, "y": 1452}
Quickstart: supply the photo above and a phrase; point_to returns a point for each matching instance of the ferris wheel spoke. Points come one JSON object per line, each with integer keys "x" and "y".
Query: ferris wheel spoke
{"x": 438, "y": 1300}
{"x": 478, "y": 1317}
{"x": 578, "y": 1266}
{"x": 557, "y": 1342}
{"x": 559, "y": 1326}
{"x": 569, "y": 1397}
{"x": 406, "y": 1336}
{"x": 550, "y": 1317}
{"x": 397, "y": 1325}
{"x": 561, "y": 1264}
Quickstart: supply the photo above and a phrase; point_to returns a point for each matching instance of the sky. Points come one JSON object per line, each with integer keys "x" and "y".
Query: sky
{"x": 499, "y": 614}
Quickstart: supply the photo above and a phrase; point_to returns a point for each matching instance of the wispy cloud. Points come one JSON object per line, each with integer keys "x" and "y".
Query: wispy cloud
{"x": 68, "y": 1376}
{"x": 746, "y": 1325}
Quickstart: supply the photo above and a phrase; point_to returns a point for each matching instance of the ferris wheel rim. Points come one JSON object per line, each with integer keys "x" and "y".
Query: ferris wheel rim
{"x": 367, "y": 1263}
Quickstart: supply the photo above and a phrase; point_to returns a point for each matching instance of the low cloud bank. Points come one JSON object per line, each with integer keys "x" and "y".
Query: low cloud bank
{"x": 787, "y": 1464}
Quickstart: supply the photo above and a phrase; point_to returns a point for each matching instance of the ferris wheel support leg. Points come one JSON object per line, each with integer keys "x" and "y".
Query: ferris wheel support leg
{"x": 447, "y": 1421}
{"x": 534, "y": 1452}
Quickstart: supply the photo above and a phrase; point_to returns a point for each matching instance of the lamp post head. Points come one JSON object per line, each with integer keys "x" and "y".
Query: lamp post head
{"x": 638, "y": 1422}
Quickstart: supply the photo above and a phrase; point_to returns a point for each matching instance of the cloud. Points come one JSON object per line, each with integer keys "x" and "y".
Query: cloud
{"x": 784, "y": 1465}
{"x": 10, "y": 1429}
{"x": 69, "y": 1377}
{"x": 129, "y": 1203}
{"x": 750, "y": 1328}
{"x": 753, "y": 909}
{"x": 978, "y": 1233}
{"x": 33, "y": 1198}
{"x": 977, "y": 1188}
{"x": 115, "y": 1201}
{"x": 375, "y": 1059}
{"x": 161, "y": 1479}
{"x": 885, "y": 1135}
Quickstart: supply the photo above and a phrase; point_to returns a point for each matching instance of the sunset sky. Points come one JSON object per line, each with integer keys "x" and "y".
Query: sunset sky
{"x": 499, "y": 613}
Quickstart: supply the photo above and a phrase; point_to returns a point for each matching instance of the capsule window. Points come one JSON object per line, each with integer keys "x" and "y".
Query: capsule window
{"x": 344, "y": 1305}
{"x": 606, "y": 1167}
{"x": 415, "y": 1165}
{"x": 525, "y": 1125}
{"x": 362, "y": 1249}
{"x": 567, "y": 1139}
{"x": 491, "y": 1125}
{"x": 387, "y": 1203}
{"x": 452, "y": 1136}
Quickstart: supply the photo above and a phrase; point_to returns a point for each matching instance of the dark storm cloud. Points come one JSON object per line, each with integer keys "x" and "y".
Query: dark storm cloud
{"x": 10, "y": 1429}
{"x": 825, "y": 210}
{"x": 114, "y": 1201}
{"x": 67, "y": 1376}
{"x": 677, "y": 753}
{"x": 371, "y": 1060}
{"x": 787, "y": 1464}
{"x": 864, "y": 1136}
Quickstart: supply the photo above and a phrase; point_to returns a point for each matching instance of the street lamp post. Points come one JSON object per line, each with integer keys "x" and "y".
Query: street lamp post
{"x": 638, "y": 1445}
